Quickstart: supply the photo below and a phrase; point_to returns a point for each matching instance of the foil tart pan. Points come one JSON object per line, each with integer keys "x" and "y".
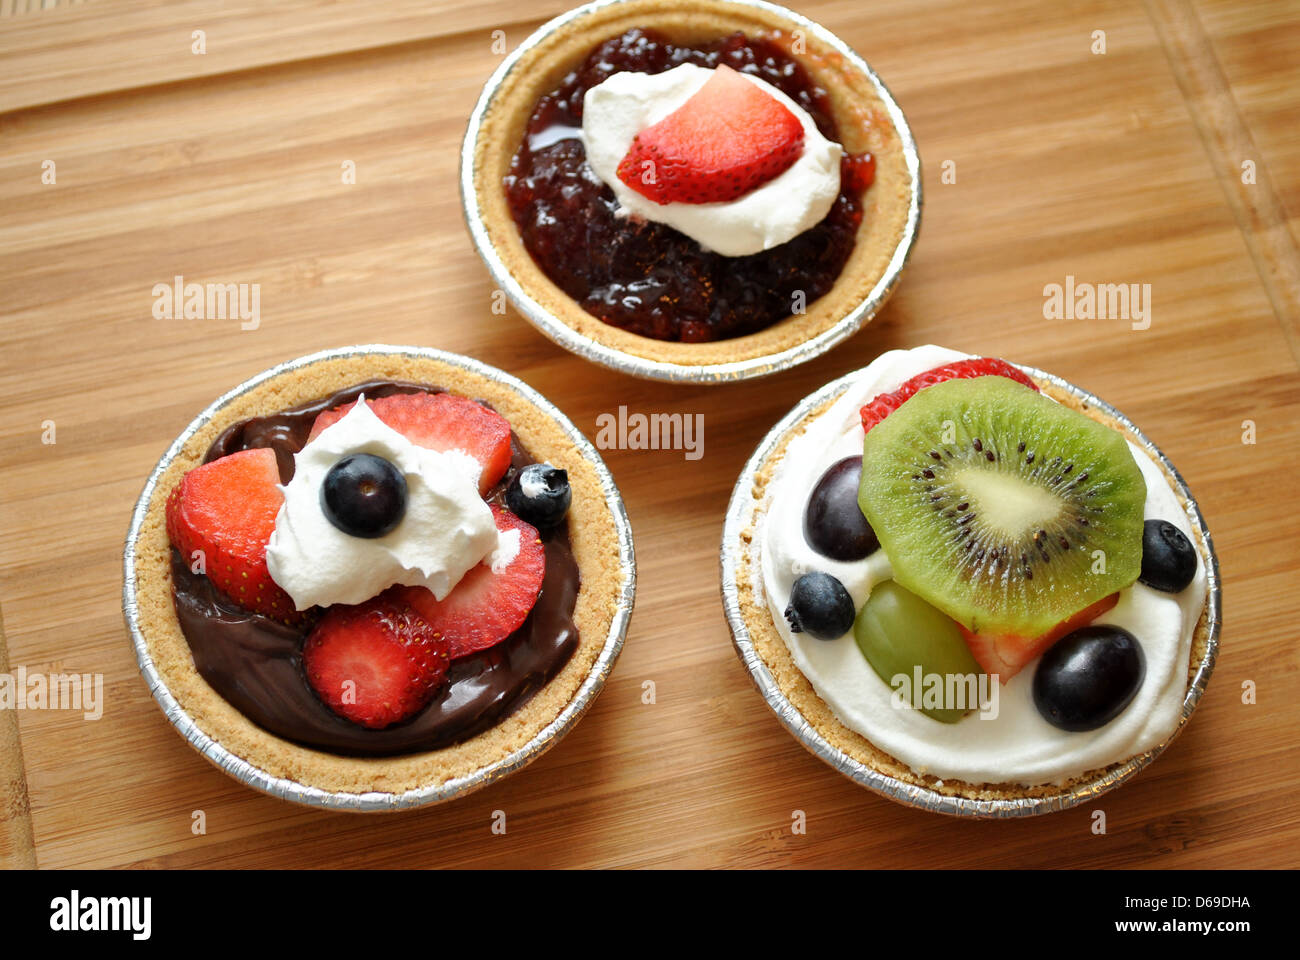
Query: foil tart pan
{"x": 373, "y": 801}
{"x": 739, "y": 513}
{"x": 644, "y": 367}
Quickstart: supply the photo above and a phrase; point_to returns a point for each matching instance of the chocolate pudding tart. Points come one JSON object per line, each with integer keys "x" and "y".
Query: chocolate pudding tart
{"x": 441, "y": 691}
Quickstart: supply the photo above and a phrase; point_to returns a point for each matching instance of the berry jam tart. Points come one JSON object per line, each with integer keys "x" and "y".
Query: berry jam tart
{"x": 378, "y": 571}
{"x": 983, "y": 590}
{"x": 690, "y": 185}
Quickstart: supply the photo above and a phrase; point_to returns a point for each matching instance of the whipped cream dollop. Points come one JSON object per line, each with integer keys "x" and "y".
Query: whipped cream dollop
{"x": 1017, "y": 745}
{"x": 446, "y": 530}
{"x": 615, "y": 111}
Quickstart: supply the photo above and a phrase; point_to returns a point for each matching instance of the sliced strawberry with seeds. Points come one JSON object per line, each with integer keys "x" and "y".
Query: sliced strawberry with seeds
{"x": 730, "y": 137}
{"x": 1005, "y": 655}
{"x": 222, "y": 515}
{"x": 441, "y": 421}
{"x": 885, "y": 404}
{"x": 486, "y": 607}
{"x": 376, "y": 663}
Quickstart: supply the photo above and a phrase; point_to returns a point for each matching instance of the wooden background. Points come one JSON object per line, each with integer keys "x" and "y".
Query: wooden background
{"x": 1122, "y": 167}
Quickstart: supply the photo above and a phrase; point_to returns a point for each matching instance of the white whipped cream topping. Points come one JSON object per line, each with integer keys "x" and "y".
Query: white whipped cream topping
{"x": 506, "y": 551}
{"x": 1018, "y": 745}
{"x": 447, "y": 528}
{"x": 615, "y": 111}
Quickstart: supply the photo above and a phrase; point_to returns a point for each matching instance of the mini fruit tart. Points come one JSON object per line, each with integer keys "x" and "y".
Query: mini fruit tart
{"x": 970, "y": 585}
{"x": 377, "y": 577}
{"x": 691, "y": 189}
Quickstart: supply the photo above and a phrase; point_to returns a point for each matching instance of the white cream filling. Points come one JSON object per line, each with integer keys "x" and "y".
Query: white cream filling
{"x": 1018, "y": 745}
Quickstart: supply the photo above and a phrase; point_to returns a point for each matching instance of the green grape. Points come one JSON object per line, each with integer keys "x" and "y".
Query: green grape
{"x": 897, "y": 632}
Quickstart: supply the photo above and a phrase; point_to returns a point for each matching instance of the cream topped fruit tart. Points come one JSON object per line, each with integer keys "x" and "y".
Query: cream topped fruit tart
{"x": 969, "y": 580}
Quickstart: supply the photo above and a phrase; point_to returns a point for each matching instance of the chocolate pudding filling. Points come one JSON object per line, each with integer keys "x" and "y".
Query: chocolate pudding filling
{"x": 255, "y": 663}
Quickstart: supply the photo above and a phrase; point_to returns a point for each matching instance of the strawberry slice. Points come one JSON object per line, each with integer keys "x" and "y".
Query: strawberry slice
{"x": 441, "y": 421}
{"x": 728, "y": 138}
{"x": 226, "y": 510}
{"x": 376, "y": 663}
{"x": 486, "y": 607}
{"x": 1005, "y": 655}
{"x": 885, "y": 404}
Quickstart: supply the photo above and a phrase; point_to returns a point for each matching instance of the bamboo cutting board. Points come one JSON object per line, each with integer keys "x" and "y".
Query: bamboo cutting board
{"x": 1128, "y": 166}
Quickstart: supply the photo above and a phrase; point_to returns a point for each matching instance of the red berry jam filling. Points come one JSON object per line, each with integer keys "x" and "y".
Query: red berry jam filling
{"x": 649, "y": 278}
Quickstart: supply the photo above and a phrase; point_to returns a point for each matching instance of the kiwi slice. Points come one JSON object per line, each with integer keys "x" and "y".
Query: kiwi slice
{"x": 1004, "y": 509}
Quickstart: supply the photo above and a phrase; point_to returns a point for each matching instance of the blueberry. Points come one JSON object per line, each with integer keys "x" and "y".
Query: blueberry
{"x": 819, "y": 605}
{"x": 1168, "y": 557}
{"x": 364, "y": 495}
{"x": 539, "y": 494}
{"x": 1088, "y": 677}
{"x": 833, "y": 523}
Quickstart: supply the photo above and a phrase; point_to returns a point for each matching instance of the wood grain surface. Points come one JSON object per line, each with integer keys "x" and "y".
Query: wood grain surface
{"x": 1116, "y": 167}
